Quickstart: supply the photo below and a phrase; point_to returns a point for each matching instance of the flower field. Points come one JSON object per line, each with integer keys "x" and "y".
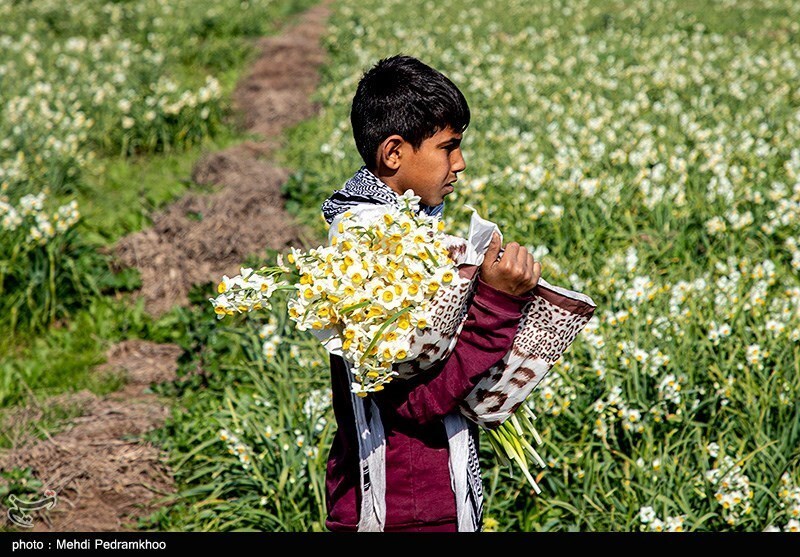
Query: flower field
{"x": 648, "y": 153}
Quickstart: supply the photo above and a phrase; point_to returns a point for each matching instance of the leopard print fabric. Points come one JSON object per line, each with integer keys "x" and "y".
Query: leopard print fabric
{"x": 545, "y": 332}
{"x": 550, "y": 323}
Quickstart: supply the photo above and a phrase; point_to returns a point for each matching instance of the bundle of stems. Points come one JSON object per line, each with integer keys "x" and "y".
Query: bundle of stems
{"x": 510, "y": 442}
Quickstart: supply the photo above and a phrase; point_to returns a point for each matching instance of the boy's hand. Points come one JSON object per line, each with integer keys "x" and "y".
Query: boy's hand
{"x": 515, "y": 273}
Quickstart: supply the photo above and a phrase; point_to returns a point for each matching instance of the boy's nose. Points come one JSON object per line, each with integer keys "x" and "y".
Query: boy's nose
{"x": 458, "y": 163}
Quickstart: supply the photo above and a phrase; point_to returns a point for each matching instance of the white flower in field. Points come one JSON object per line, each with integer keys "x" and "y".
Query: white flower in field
{"x": 11, "y": 219}
{"x": 657, "y": 525}
{"x": 647, "y": 515}
{"x": 318, "y": 402}
{"x": 267, "y": 329}
{"x": 576, "y": 282}
{"x": 596, "y": 341}
{"x": 774, "y": 326}
{"x": 793, "y": 525}
{"x": 614, "y": 398}
{"x": 31, "y": 204}
{"x": 599, "y": 369}
{"x": 658, "y": 359}
{"x": 600, "y": 429}
{"x": 631, "y": 259}
{"x": 657, "y": 464}
{"x": 124, "y": 105}
{"x": 35, "y": 235}
{"x": 669, "y": 388}
{"x": 128, "y": 122}
{"x": 269, "y": 349}
{"x": 599, "y": 405}
{"x": 632, "y": 415}
{"x": 753, "y": 354}
{"x": 204, "y": 94}
{"x": 674, "y": 524}
{"x": 713, "y": 449}
{"x": 640, "y": 355}
{"x": 715, "y": 225}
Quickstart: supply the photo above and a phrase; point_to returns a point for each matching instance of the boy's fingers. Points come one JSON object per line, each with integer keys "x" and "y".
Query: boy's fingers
{"x": 522, "y": 260}
{"x": 537, "y": 273}
{"x": 530, "y": 263}
{"x": 493, "y": 251}
{"x": 510, "y": 255}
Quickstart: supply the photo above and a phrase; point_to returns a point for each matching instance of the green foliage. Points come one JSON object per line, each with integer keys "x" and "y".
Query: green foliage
{"x": 62, "y": 357}
{"x": 250, "y": 433}
{"x": 82, "y": 84}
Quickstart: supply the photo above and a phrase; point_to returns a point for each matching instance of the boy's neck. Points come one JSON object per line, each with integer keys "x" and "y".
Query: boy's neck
{"x": 388, "y": 179}
{"x": 387, "y": 176}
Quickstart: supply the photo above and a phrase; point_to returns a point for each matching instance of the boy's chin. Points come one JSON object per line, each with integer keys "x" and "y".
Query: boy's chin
{"x": 431, "y": 203}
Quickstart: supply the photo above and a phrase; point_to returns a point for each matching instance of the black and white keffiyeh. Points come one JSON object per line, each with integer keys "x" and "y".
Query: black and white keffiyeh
{"x": 366, "y": 189}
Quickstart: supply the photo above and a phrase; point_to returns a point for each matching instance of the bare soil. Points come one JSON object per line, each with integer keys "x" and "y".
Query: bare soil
{"x": 104, "y": 474}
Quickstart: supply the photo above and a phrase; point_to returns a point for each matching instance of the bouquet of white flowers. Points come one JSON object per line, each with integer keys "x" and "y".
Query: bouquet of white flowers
{"x": 390, "y": 295}
{"x": 366, "y": 295}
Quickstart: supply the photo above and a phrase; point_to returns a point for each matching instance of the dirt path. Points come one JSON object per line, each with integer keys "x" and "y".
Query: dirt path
{"x": 103, "y": 474}
{"x": 246, "y": 215}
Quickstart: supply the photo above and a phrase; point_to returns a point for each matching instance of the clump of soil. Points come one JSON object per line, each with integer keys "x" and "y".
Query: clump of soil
{"x": 199, "y": 238}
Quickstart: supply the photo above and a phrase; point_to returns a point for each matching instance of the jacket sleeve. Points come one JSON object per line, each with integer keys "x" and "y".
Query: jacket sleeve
{"x": 487, "y": 335}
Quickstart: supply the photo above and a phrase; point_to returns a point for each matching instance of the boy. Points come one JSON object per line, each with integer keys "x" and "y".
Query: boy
{"x": 408, "y": 120}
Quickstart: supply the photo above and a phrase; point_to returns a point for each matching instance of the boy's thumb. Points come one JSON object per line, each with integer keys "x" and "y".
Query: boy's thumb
{"x": 493, "y": 251}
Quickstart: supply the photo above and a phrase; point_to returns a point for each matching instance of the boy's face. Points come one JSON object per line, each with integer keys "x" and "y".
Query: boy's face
{"x": 430, "y": 171}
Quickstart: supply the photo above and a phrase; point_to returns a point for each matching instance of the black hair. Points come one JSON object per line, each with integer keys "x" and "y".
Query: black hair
{"x": 401, "y": 95}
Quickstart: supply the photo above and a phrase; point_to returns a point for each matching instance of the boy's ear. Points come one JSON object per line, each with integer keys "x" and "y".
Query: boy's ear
{"x": 390, "y": 151}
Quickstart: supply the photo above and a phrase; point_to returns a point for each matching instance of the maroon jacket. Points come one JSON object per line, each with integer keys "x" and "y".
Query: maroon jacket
{"x": 418, "y": 490}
